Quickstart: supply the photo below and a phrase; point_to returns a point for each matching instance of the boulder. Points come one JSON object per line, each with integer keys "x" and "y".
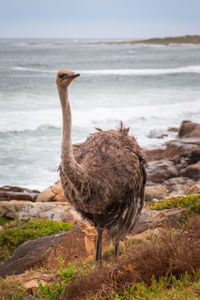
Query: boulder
{"x": 178, "y": 181}
{"x": 189, "y": 129}
{"x": 192, "y": 171}
{"x": 159, "y": 171}
{"x": 175, "y": 150}
{"x": 195, "y": 189}
{"x": 151, "y": 219}
{"x": 178, "y": 190}
{"x": 59, "y": 211}
{"x": 53, "y": 193}
{"x": 194, "y": 155}
{"x": 8, "y": 193}
{"x": 178, "y": 148}
{"x": 73, "y": 245}
{"x": 154, "y": 154}
{"x": 155, "y": 192}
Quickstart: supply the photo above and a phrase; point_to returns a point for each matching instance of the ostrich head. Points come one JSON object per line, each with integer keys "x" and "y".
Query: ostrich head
{"x": 65, "y": 77}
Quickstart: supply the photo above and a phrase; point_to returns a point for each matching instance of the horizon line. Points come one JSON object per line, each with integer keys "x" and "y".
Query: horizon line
{"x": 96, "y": 38}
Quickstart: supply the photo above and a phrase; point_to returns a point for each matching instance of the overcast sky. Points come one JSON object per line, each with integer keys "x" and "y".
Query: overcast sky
{"x": 98, "y": 18}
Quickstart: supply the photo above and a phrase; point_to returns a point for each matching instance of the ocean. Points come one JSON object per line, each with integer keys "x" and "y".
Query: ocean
{"x": 149, "y": 88}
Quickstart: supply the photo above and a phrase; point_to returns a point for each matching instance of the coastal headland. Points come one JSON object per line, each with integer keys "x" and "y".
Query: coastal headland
{"x": 179, "y": 40}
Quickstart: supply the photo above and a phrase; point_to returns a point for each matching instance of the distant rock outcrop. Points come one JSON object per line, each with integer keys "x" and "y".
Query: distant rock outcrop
{"x": 16, "y": 193}
{"x": 189, "y": 129}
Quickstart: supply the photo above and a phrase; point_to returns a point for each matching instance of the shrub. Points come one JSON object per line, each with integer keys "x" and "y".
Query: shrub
{"x": 169, "y": 256}
{"x": 55, "y": 290}
{"x": 11, "y": 289}
{"x": 192, "y": 203}
{"x": 164, "y": 288}
{"x": 4, "y": 220}
{"x": 19, "y": 231}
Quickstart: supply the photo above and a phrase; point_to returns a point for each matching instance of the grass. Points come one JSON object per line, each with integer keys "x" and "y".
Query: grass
{"x": 17, "y": 232}
{"x": 11, "y": 289}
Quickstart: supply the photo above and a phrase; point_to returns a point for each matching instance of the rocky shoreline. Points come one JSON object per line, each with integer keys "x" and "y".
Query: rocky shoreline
{"x": 173, "y": 170}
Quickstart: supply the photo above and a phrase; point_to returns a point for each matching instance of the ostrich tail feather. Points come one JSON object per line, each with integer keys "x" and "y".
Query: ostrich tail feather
{"x": 120, "y": 226}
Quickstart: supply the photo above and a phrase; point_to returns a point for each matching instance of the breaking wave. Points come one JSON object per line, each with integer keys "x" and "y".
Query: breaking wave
{"x": 122, "y": 72}
{"x": 142, "y": 72}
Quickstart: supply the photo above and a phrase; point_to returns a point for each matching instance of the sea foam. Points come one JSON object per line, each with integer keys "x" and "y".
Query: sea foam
{"x": 122, "y": 72}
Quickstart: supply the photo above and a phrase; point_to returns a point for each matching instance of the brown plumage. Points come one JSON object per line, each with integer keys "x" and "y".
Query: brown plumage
{"x": 104, "y": 177}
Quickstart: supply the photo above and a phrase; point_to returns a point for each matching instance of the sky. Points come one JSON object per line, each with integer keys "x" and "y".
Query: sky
{"x": 117, "y": 19}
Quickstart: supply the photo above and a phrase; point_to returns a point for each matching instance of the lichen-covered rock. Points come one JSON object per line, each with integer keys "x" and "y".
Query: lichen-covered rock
{"x": 155, "y": 192}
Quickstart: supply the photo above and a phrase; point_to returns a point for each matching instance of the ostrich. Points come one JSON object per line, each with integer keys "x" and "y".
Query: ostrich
{"x": 104, "y": 177}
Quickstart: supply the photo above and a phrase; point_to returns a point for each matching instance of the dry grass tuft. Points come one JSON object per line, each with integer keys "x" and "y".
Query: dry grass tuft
{"x": 172, "y": 253}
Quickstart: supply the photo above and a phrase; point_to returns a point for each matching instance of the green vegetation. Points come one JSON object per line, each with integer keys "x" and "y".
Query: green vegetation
{"x": 56, "y": 290}
{"x": 11, "y": 289}
{"x": 191, "y": 203}
{"x": 166, "y": 266}
{"x": 4, "y": 220}
{"x": 157, "y": 266}
{"x": 17, "y": 232}
{"x": 165, "y": 288}
{"x": 66, "y": 276}
{"x": 187, "y": 287}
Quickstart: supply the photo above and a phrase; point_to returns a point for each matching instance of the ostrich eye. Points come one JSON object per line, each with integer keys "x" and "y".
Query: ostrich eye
{"x": 61, "y": 76}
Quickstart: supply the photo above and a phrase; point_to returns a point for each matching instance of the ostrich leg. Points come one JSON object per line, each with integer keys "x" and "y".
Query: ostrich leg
{"x": 99, "y": 244}
{"x": 116, "y": 249}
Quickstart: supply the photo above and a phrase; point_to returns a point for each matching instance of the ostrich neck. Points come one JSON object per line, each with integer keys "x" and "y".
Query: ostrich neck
{"x": 66, "y": 149}
{"x": 68, "y": 162}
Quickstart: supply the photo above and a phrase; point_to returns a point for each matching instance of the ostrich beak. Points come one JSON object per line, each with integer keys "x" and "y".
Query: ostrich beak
{"x": 67, "y": 76}
{"x": 75, "y": 75}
